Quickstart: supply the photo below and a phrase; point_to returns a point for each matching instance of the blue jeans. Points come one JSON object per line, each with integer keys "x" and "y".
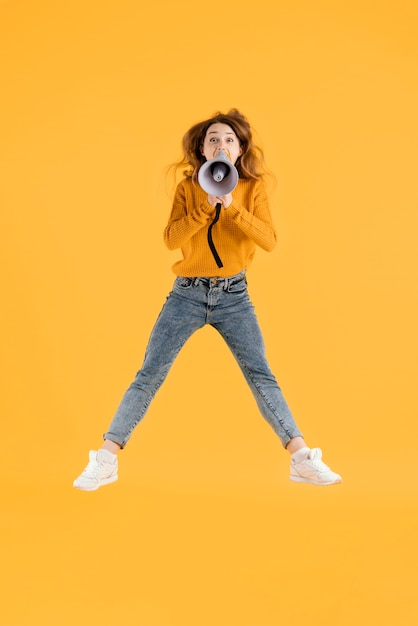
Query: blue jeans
{"x": 193, "y": 302}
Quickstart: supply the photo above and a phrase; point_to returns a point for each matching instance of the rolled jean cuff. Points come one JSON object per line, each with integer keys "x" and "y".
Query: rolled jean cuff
{"x": 287, "y": 438}
{"x": 115, "y": 439}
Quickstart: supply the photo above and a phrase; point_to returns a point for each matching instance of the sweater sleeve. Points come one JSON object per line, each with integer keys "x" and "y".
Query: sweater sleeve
{"x": 185, "y": 220}
{"x": 256, "y": 224}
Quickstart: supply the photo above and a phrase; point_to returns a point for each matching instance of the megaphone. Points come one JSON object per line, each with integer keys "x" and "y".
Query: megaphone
{"x": 218, "y": 176}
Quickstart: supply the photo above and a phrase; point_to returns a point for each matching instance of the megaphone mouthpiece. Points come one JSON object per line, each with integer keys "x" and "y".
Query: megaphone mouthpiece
{"x": 219, "y": 171}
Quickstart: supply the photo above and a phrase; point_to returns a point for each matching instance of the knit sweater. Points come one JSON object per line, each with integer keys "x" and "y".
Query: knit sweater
{"x": 245, "y": 224}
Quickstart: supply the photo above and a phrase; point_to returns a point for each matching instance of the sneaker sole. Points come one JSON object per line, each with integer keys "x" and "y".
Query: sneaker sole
{"x": 310, "y": 481}
{"x": 106, "y": 481}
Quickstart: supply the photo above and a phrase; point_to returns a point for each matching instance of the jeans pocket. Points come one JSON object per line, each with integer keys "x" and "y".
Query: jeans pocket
{"x": 183, "y": 282}
{"x": 238, "y": 286}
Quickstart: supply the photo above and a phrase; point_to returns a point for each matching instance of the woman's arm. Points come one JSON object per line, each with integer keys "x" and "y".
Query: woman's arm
{"x": 185, "y": 219}
{"x": 257, "y": 223}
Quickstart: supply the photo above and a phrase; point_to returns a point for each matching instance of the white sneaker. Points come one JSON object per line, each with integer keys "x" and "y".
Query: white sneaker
{"x": 102, "y": 469}
{"x": 312, "y": 470}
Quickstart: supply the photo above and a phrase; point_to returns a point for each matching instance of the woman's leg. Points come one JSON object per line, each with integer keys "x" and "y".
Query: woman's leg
{"x": 178, "y": 319}
{"x": 175, "y": 324}
{"x": 236, "y": 321}
{"x": 251, "y": 357}
{"x": 242, "y": 333}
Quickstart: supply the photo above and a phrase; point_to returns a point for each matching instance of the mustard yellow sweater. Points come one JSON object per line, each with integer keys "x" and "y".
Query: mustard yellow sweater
{"x": 245, "y": 224}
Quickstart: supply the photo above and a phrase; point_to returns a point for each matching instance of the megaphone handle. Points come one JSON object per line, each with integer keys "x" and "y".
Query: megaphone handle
{"x": 210, "y": 240}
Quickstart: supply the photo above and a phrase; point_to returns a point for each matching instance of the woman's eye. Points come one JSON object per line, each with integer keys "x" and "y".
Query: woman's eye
{"x": 212, "y": 140}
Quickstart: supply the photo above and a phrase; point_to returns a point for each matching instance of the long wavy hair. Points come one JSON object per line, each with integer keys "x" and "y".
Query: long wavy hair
{"x": 250, "y": 164}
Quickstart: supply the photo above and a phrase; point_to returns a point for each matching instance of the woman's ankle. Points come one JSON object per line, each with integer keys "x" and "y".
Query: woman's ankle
{"x": 111, "y": 446}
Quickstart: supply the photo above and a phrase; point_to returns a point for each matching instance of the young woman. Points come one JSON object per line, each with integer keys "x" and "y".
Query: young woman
{"x": 207, "y": 291}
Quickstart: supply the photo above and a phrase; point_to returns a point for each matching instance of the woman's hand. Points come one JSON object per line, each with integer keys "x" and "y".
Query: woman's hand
{"x": 226, "y": 201}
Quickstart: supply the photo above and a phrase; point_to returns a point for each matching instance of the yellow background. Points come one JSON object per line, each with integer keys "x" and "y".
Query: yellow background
{"x": 204, "y": 527}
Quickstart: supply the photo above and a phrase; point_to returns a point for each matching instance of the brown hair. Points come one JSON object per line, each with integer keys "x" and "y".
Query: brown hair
{"x": 249, "y": 165}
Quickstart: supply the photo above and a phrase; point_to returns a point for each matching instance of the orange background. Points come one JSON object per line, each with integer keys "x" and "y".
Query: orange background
{"x": 204, "y": 527}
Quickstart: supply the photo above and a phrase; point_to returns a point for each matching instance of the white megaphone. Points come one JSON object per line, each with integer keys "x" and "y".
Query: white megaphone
{"x": 218, "y": 176}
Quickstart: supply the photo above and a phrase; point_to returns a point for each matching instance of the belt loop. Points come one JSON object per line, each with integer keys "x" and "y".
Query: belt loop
{"x": 196, "y": 281}
{"x": 226, "y": 284}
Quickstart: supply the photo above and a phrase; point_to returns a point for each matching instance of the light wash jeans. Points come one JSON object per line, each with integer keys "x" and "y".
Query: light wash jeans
{"x": 224, "y": 304}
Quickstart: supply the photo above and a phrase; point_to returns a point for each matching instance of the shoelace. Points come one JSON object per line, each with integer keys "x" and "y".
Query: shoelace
{"x": 92, "y": 469}
{"x": 315, "y": 456}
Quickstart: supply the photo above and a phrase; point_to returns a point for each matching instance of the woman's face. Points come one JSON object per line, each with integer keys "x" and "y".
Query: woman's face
{"x": 221, "y": 137}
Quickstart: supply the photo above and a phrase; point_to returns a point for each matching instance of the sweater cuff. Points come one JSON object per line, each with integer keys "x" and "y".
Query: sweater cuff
{"x": 206, "y": 209}
{"x": 233, "y": 211}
